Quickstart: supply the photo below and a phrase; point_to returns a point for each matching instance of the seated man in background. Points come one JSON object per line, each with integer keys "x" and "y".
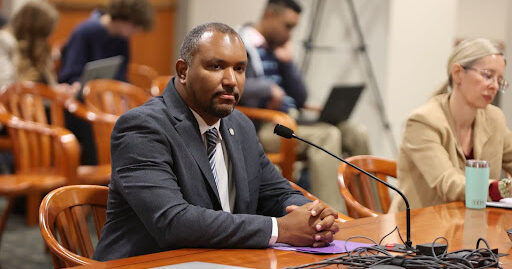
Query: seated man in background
{"x": 188, "y": 170}
{"x": 105, "y": 34}
{"x": 274, "y": 82}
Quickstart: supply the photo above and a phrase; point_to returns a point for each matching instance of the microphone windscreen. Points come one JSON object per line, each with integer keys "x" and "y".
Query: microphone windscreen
{"x": 283, "y": 131}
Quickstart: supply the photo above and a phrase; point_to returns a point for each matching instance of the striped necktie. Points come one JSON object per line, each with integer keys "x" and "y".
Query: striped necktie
{"x": 211, "y": 145}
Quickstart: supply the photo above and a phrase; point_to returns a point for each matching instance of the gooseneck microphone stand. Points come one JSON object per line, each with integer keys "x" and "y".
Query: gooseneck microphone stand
{"x": 286, "y": 132}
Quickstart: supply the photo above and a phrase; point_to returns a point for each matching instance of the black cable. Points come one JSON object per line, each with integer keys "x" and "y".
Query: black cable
{"x": 399, "y": 235}
{"x": 382, "y": 239}
{"x": 434, "y": 242}
{"x": 365, "y": 257}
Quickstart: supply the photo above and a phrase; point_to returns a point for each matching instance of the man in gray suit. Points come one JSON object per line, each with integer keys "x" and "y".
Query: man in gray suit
{"x": 188, "y": 170}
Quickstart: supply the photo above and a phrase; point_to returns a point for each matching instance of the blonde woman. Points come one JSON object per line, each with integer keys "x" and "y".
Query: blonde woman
{"x": 31, "y": 26}
{"x": 456, "y": 124}
{"x": 25, "y": 53}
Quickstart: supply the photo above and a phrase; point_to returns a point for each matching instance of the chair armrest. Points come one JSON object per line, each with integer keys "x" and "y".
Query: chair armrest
{"x": 341, "y": 217}
{"x": 81, "y": 111}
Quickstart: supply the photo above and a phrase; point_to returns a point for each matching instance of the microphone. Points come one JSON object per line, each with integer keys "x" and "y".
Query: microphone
{"x": 286, "y": 132}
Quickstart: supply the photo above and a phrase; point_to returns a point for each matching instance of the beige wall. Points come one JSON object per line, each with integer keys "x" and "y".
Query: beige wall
{"x": 506, "y": 101}
{"x": 231, "y": 12}
{"x": 421, "y": 38}
{"x": 482, "y": 18}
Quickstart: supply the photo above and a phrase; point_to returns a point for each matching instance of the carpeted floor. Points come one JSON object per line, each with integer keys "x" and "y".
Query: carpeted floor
{"x": 22, "y": 246}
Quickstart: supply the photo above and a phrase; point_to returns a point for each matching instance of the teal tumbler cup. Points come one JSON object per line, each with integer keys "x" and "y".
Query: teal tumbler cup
{"x": 477, "y": 183}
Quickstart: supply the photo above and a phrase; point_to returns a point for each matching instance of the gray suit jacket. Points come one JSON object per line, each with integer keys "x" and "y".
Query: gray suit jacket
{"x": 163, "y": 195}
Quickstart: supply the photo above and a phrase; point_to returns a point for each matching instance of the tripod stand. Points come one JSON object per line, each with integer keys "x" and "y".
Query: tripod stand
{"x": 362, "y": 53}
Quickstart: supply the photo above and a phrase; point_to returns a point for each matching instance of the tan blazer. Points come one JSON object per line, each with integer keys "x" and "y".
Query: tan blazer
{"x": 431, "y": 162}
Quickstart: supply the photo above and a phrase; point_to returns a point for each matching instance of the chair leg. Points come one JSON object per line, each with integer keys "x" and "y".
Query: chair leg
{"x": 5, "y": 216}
{"x": 33, "y": 203}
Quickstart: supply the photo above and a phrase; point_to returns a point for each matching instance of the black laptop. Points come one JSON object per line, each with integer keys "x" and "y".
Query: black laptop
{"x": 339, "y": 105}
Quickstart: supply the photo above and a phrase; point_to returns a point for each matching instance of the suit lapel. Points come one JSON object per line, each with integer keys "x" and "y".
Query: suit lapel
{"x": 190, "y": 134}
{"x": 188, "y": 130}
{"x": 236, "y": 157}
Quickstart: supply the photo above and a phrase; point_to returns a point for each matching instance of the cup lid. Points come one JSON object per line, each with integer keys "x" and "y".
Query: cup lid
{"x": 477, "y": 163}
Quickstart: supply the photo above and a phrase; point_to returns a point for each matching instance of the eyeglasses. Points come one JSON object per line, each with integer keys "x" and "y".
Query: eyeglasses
{"x": 490, "y": 77}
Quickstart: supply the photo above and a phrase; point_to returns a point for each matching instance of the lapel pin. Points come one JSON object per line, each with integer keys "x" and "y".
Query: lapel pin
{"x": 231, "y": 131}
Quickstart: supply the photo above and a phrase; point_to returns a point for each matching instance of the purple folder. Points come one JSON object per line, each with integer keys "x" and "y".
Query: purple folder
{"x": 336, "y": 247}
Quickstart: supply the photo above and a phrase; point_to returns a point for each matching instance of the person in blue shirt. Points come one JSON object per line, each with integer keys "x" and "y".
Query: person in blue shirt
{"x": 105, "y": 34}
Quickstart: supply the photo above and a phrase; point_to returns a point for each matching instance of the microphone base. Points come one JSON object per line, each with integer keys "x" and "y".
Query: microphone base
{"x": 398, "y": 248}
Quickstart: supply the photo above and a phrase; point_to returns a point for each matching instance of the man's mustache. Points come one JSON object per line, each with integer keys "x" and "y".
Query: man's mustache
{"x": 234, "y": 93}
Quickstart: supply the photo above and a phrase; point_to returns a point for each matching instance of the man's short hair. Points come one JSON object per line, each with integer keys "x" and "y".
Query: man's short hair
{"x": 285, "y": 3}
{"x": 138, "y": 12}
{"x": 190, "y": 43}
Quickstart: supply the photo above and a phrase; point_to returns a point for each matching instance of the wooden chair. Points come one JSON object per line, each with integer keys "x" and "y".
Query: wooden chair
{"x": 31, "y": 100}
{"x": 158, "y": 85}
{"x": 141, "y": 76}
{"x": 112, "y": 96}
{"x": 356, "y": 188}
{"x": 286, "y": 156}
{"x": 45, "y": 158}
{"x": 341, "y": 217}
{"x": 63, "y": 222}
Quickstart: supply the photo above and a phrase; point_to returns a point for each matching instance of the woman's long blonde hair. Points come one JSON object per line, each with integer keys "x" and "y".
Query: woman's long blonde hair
{"x": 31, "y": 25}
{"x": 466, "y": 54}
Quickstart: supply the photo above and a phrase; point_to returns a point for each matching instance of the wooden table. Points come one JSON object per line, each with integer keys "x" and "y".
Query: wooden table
{"x": 461, "y": 226}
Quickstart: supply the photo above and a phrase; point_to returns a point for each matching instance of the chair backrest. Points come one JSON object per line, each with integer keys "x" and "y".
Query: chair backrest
{"x": 113, "y": 96}
{"x": 40, "y": 148}
{"x": 158, "y": 85}
{"x": 286, "y": 156}
{"x": 37, "y": 102}
{"x": 63, "y": 220}
{"x": 141, "y": 76}
{"x": 364, "y": 197}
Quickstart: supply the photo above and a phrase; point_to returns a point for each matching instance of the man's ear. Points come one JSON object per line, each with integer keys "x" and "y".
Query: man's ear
{"x": 456, "y": 73}
{"x": 181, "y": 70}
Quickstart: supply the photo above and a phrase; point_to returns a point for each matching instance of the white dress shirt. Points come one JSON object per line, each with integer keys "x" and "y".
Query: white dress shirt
{"x": 225, "y": 187}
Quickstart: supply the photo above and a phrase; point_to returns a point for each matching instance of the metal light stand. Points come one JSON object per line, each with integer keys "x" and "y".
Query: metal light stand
{"x": 362, "y": 52}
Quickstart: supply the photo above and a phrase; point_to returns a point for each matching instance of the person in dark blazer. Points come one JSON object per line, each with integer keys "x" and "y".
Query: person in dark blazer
{"x": 166, "y": 194}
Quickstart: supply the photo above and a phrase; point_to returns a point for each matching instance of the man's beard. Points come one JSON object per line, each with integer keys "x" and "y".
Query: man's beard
{"x": 221, "y": 111}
